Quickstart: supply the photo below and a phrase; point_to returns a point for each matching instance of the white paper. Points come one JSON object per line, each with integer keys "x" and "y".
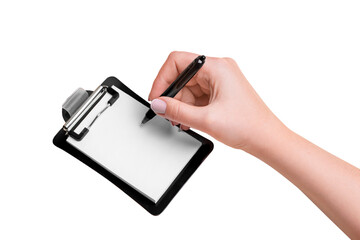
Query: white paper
{"x": 147, "y": 157}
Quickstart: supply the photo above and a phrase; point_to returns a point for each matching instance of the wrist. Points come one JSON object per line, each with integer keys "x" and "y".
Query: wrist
{"x": 270, "y": 137}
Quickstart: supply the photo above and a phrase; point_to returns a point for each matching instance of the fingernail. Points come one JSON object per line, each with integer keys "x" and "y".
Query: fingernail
{"x": 158, "y": 106}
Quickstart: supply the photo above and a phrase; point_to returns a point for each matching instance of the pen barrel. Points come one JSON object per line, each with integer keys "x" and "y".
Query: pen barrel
{"x": 180, "y": 82}
{"x": 184, "y": 77}
{"x": 150, "y": 114}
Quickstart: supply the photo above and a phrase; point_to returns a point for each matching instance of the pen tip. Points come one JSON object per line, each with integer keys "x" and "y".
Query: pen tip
{"x": 144, "y": 121}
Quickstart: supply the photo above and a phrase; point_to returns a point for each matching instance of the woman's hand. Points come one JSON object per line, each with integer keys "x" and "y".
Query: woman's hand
{"x": 221, "y": 102}
{"x": 218, "y": 101}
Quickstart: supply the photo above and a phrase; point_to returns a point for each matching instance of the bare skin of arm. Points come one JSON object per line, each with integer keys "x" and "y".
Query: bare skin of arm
{"x": 331, "y": 183}
{"x": 220, "y": 89}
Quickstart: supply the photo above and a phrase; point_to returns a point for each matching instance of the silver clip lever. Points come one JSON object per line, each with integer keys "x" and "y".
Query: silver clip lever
{"x": 84, "y": 110}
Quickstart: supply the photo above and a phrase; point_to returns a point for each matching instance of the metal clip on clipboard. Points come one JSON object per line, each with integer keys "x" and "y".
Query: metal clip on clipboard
{"x": 80, "y": 104}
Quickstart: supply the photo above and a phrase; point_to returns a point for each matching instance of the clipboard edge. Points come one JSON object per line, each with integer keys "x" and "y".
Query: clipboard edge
{"x": 153, "y": 208}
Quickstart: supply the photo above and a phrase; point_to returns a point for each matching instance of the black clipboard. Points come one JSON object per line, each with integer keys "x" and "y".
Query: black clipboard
{"x": 153, "y": 208}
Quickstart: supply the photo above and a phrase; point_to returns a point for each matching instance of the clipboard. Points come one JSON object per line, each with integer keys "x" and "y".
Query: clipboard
{"x": 92, "y": 112}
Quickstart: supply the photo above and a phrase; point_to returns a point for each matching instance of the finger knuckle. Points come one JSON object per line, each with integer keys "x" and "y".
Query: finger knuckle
{"x": 175, "y": 112}
{"x": 222, "y": 62}
{"x": 229, "y": 60}
{"x": 173, "y": 54}
{"x": 208, "y": 120}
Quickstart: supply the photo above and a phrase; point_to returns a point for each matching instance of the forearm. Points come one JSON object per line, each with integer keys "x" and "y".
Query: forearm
{"x": 331, "y": 183}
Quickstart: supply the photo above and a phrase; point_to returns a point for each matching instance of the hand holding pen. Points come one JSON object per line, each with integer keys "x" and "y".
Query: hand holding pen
{"x": 180, "y": 82}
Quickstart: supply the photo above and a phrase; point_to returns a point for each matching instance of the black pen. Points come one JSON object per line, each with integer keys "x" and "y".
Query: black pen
{"x": 179, "y": 83}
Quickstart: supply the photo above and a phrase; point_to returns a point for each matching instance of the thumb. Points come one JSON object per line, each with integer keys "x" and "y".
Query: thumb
{"x": 178, "y": 111}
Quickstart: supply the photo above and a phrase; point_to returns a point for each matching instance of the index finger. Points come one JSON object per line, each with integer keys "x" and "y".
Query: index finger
{"x": 173, "y": 66}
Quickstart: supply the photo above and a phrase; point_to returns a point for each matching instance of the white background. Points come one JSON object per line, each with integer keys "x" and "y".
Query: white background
{"x": 302, "y": 58}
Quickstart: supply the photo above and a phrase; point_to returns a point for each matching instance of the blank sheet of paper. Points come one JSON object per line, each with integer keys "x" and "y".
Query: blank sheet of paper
{"x": 147, "y": 157}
